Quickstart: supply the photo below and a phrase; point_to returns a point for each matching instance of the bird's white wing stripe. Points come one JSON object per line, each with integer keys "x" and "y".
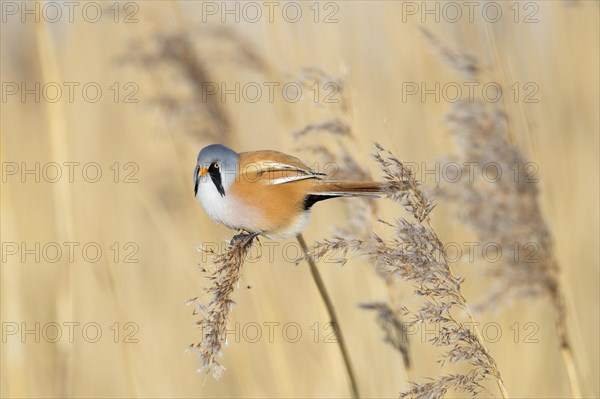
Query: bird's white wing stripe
{"x": 288, "y": 179}
{"x": 346, "y": 194}
{"x": 270, "y": 166}
{"x": 276, "y": 165}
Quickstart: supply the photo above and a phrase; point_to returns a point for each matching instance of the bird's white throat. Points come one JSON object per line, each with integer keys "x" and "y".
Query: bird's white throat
{"x": 224, "y": 209}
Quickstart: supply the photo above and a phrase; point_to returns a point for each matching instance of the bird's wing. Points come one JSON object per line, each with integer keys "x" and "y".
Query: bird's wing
{"x": 275, "y": 167}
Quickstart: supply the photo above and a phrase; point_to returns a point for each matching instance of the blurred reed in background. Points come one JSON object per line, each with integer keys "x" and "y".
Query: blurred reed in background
{"x": 162, "y": 68}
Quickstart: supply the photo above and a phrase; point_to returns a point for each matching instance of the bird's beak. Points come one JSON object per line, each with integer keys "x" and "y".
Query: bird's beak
{"x": 197, "y": 173}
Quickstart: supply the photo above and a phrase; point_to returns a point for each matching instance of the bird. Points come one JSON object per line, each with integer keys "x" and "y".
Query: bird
{"x": 266, "y": 192}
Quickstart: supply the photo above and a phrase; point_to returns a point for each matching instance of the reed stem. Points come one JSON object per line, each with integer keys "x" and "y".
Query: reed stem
{"x": 332, "y": 315}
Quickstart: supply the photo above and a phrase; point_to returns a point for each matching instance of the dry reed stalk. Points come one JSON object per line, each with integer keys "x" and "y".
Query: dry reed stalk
{"x": 224, "y": 276}
{"x": 314, "y": 271}
{"x": 57, "y": 130}
{"x": 505, "y": 209}
{"x": 417, "y": 255}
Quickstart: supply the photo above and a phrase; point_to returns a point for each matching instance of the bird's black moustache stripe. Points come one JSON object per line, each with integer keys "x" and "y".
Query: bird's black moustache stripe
{"x": 215, "y": 176}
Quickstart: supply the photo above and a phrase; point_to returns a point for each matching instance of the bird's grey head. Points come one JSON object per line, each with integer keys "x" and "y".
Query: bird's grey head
{"x": 217, "y": 164}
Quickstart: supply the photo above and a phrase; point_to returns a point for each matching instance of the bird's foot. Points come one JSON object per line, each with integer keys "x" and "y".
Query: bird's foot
{"x": 243, "y": 235}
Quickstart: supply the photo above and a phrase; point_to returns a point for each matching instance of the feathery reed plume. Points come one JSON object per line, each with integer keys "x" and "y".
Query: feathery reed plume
{"x": 243, "y": 51}
{"x": 187, "y": 104}
{"x": 192, "y": 105}
{"x": 417, "y": 255}
{"x": 336, "y": 127}
{"x": 395, "y": 331}
{"x": 467, "y": 64}
{"x": 505, "y": 210}
{"x": 499, "y": 200}
{"x": 333, "y": 87}
{"x": 501, "y": 206}
{"x": 331, "y": 141}
{"x": 224, "y": 276}
{"x": 339, "y": 161}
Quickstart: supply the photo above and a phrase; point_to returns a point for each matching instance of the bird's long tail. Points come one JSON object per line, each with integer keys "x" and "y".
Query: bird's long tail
{"x": 328, "y": 190}
{"x": 349, "y": 189}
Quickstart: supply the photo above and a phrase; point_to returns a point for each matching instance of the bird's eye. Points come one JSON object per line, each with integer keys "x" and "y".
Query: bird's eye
{"x": 214, "y": 167}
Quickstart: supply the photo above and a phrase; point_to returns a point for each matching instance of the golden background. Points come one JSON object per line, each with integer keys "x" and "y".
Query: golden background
{"x": 374, "y": 47}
